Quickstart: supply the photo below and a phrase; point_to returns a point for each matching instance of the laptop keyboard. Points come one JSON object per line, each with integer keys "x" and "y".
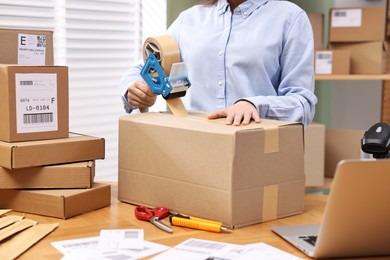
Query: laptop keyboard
{"x": 309, "y": 239}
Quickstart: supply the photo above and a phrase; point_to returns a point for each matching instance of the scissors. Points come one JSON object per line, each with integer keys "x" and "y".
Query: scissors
{"x": 153, "y": 216}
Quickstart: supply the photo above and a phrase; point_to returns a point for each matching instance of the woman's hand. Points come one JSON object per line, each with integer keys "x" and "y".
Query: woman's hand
{"x": 241, "y": 112}
{"x": 139, "y": 95}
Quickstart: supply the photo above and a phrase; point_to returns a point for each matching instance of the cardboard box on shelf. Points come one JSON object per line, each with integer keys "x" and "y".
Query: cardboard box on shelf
{"x": 210, "y": 170}
{"x": 341, "y": 144}
{"x": 75, "y": 148}
{"x": 366, "y": 57}
{"x": 58, "y": 203}
{"x": 336, "y": 62}
{"x": 314, "y": 155}
{"x": 61, "y": 176}
{"x": 34, "y": 102}
{"x": 317, "y": 24}
{"x": 357, "y": 24}
{"x": 27, "y": 47}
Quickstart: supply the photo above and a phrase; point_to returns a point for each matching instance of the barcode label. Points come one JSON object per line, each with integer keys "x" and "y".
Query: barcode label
{"x": 204, "y": 245}
{"x": 38, "y": 118}
{"x": 340, "y": 13}
{"x": 132, "y": 234}
{"x": 41, "y": 41}
{"x": 346, "y": 18}
{"x": 26, "y": 83}
{"x": 324, "y": 56}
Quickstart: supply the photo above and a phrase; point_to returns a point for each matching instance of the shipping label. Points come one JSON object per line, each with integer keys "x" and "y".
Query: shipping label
{"x": 36, "y": 102}
{"x": 346, "y": 18}
{"x": 31, "y": 49}
{"x": 323, "y": 62}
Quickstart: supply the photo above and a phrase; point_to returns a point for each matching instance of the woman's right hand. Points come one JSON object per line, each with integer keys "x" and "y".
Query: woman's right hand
{"x": 139, "y": 95}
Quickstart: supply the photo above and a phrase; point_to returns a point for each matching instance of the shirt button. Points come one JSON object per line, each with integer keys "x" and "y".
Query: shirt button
{"x": 245, "y": 13}
{"x": 220, "y": 53}
{"x": 220, "y": 83}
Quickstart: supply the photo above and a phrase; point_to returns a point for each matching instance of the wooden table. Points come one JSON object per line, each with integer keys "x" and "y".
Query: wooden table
{"x": 120, "y": 216}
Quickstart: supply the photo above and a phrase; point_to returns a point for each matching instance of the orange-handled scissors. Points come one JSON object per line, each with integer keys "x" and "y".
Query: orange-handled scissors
{"x": 153, "y": 216}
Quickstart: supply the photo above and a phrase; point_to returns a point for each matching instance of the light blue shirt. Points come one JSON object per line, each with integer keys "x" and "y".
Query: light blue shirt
{"x": 262, "y": 53}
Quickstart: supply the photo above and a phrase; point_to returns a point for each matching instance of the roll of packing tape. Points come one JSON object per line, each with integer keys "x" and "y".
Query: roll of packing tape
{"x": 165, "y": 49}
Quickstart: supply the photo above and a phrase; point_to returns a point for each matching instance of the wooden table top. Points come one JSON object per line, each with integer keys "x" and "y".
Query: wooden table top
{"x": 120, "y": 216}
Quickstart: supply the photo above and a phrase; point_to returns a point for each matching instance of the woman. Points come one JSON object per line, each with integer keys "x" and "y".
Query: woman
{"x": 247, "y": 60}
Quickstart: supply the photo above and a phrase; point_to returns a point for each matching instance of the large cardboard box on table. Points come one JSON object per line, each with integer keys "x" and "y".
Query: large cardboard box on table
{"x": 33, "y": 102}
{"x": 75, "y": 148}
{"x": 61, "y": 176}
{"x": 236, "y": 175}
{"x": 366, "y": 57}
{"x": 357, "y": 24}
{"x": 27, "y": 47}
{"x": 59, "y": 203}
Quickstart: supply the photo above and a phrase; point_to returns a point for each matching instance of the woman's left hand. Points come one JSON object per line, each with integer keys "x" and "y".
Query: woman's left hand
{"x": 241, "y": 112}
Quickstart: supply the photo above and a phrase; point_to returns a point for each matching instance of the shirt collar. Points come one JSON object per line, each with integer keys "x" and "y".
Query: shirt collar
{"x": 245, "y": 9}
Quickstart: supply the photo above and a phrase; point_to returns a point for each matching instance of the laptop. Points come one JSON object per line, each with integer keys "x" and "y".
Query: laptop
{"x": 356, "y": 219}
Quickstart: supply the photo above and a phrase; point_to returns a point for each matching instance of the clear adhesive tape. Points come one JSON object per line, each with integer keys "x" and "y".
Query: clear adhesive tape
{"x": 165, "y": 49}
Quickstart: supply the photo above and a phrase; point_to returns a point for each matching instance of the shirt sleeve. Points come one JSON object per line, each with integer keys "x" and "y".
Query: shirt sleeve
{"x": 295, "y": 100}
{"x": 129, "y": 76}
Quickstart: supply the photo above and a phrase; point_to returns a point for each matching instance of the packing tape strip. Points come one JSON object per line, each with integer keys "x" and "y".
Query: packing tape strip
{"x": 270, "y": 203}
{"x": 271, "y": 139}
{"x": 165, "y": 49}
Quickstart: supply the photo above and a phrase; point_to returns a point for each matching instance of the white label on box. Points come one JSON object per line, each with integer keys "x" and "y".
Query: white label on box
{"x": 31, "y": 49}
{"x": 347, "y": 18}
{"x": 324, "y": 62}
{"x": 36, "y": 102}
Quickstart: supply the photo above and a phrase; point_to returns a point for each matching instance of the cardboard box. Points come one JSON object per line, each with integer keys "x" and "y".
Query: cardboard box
{"x": 33, "y": 102}
{"x": 341, "y": 144}
{"x": 62, "y": 176}
{"x": 314, "y": 155}
{"x": 75, "y": 148}
{"x": 27, "y": 47}
{"x": 236, "y": 175}
{"x": 317, "y": 24}
{"x": 58, "y": 203}
{"x": 366, "y": 57}
{"x": 357, "y": 24}
{"x": 336, "y": 62}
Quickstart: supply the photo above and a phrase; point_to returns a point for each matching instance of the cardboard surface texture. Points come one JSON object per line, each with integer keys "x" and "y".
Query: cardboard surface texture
{"x": 236, "y": 175}
{"x": 357, "y": 24}
{"x": 58, "y": 203}
{"x": 34, "y": 102}
{"x": 366, "y": 57}
{"x": 75, "y": 148}
{"x": 27, "y": 47}
{"x": 71, "y": 175}
{"x": 341, "y": 144}
{"x": 317, "y": 24}
{"x": 336, "y": 62}
{"x": 314, "y": 155}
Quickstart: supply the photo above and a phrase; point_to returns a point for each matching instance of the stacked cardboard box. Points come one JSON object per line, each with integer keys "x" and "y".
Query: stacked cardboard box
{"x": 361, "y": 31}
{"x": 327, "y": 61}
{"x": 44, "y": 169}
